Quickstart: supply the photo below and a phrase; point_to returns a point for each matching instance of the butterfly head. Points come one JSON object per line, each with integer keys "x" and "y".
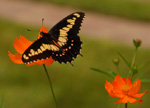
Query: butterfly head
{"x": 42, "y": 33}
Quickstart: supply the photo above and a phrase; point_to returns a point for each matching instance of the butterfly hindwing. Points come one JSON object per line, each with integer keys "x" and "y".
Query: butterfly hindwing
{"x": 40, "y": 49}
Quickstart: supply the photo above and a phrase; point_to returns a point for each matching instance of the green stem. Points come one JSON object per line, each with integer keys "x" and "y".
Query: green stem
{"x": 50, "y": 83}
{"x": 132, "y": 64}
{"x": 134, "y": 57}
{"x": 125, "y": 105}
{"x": 117, "y": 69}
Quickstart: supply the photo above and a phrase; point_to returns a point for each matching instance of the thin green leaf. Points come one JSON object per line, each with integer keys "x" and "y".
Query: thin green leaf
{"x": 145, "y": 80}
{"x": 111, "y": 72}
{"x": 123, "y": 58}
{"x": 103, "y": 72}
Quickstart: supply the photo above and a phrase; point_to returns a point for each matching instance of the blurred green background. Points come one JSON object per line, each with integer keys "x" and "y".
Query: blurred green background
{"x": 78, "y": 86}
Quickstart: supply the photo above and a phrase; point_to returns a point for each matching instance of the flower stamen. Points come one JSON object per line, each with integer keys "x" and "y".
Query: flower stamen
{"x": 125, "y": 89}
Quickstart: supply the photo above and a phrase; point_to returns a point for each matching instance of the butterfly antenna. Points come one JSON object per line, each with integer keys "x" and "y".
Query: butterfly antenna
{"x": 31, "y": 30}
{"x": 42, "y": 21}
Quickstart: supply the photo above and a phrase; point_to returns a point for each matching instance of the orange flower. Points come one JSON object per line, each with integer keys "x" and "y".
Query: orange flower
{"x": 21, "y": 45}
{"x": 125, "y": 90}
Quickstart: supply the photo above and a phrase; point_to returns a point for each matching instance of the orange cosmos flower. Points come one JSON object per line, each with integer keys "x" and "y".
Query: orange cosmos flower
{"x": 125, "y": 90}
{"x": 21, "y": 45}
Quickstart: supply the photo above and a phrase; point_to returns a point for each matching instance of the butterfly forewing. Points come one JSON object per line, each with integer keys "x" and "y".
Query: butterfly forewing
{"x": 68, "y": 26}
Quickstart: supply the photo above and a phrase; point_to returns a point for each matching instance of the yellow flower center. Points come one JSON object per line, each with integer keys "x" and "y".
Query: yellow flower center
{"x": 125, "y": 89}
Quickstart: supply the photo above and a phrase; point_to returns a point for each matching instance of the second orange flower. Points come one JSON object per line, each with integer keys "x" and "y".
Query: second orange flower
{"x": 125, "y": 90}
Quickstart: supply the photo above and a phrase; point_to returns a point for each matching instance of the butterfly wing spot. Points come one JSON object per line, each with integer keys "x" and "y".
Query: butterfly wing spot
{"x": 36, "y": 53}
{"x": 62, "y": 35}
{"x": 69, "y": 47}
{"x": 72, "y": 44}
{"x": 77, "y": 15}
{"x": 39, "y": 51}
{"x": 63, "y": 32}
{"x": 32, "y": 52}
{"x": 29, "y": 55}
{"x": 66, "y": 29}
{"x": 71, "y": 21}
{"x": 74, "y": 18}
{"x": 61, "y": 39}
{"x": 61, "y": 43}
{"x": 46, "y": 46}
{"x": 42, "y": 48}
{"x": 25, "y": 57}
{"x": 69, "y": 25}
{"x": 72, "y": 40}
{"x": 54, "y": 48}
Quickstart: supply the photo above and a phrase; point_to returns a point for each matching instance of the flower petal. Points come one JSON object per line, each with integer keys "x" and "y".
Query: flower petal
{"x": 109, "y": 88}
{"x": 42, "y": 29}
{"x": 140, "y": 95}
{"x": 118, "y": 83}
{"x": 127, "y": 82}
{"x": 22, "y": 44}
{"x": 48, "y": 61}
{"x": 127, "y": 99}
{"x": 38, "y": 62}
{"x": 15, "y": 58}
{"x": 139, "y": 101}
{"x": 122, "y": 100}
{"x": 135, "y": 88}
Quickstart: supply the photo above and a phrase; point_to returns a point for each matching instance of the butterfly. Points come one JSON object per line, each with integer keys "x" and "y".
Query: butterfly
{"x": 62, "y": 42}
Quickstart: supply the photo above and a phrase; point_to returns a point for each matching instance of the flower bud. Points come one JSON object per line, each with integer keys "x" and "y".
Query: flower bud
{"x": 116, "y": 61}
{"x": 137, "y": 42}
{"x": 135, "y": 70}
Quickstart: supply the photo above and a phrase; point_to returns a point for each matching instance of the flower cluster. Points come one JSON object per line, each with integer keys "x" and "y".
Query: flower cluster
{"x": 123, "y": 88}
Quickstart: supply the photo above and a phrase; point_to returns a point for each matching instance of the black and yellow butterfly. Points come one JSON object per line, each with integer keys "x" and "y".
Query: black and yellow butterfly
{"x": 61, "y": 43}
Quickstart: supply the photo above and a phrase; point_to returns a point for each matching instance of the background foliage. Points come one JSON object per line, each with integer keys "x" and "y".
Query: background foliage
{"x": 132, "y": 9}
